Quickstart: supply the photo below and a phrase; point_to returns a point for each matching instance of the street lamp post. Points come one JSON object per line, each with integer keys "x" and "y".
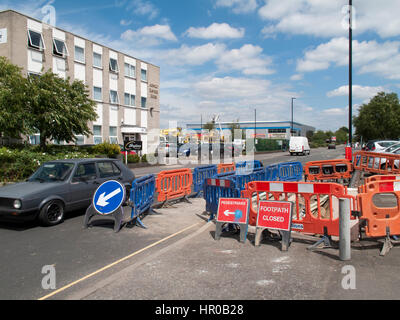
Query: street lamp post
{"x": 291, "y": 128}
{"x": 350, "y": 70}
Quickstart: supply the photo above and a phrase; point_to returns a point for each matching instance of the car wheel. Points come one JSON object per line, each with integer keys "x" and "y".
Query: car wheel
{"x": 52, "y": 213}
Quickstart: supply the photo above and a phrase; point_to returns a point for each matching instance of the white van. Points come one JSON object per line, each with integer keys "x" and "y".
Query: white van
{"x": 299, "y": 145}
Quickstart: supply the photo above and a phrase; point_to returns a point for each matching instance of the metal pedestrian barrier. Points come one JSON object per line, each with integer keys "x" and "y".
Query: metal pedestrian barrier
{"x": 199, "y": 176}
{"x": 142, "y": 197}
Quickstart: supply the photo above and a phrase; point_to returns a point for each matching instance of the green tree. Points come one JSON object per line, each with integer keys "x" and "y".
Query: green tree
{"x": 12, "y": 100}
{"x": 58, "y": 109}
{"x": 380, "y": 118}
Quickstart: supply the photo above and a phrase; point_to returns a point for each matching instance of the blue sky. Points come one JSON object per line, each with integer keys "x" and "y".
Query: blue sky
{"x": 229, "y": 57}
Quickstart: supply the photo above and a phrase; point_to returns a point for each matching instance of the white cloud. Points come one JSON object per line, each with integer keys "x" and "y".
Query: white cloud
{"x": 238, "y": 6}
{"x": 248, "y": 59}
{"x": 326, "y": 18}
{"x": 361, "y": 92}
{"x": 144, "y": 8}
{"x": 149, "y": 35}
{"x": 193, "y": 55}
{"x": 297, "y": 77}
{"x": 125, "y": 22}
{"x": 368, "y": 56}
{"x": 216, "y": 31}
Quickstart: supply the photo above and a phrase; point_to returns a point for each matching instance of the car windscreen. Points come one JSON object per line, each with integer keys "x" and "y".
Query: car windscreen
{"x": 50, "y": 172}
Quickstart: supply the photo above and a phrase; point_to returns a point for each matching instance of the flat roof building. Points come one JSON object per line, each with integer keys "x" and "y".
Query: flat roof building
{"x": 264, "y": 129}
{"x": 126, "y": 89}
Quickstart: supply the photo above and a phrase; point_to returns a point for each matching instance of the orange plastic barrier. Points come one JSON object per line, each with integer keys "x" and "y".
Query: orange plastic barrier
{"x": 226, "y": 167}
{"x": 312, "y": 196}
{"x": 367, "y": 180}
{"x": 328, "y": 170}
{"x": 373, "y": 162}
{"x": 173, "y": 184}
{"x": 380, "y": 221}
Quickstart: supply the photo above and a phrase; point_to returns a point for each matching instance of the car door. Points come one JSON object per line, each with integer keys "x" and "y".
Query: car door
{"x": 108, "y": 171}
{"x": 83, "y": 185}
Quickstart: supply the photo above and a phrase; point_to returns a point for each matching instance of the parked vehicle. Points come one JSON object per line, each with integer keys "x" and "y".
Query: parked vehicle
{"x": 167, "y": 148}
{"x": 381, "y": 162}
{"x": 299, "y": 145}
{"x": 379, "y": 145}
{"x": 332, "y": 145}
{"x": 58, "y": 187}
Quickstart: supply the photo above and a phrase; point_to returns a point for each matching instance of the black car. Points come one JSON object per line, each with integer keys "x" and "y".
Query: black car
{"x": 58, "y": 187}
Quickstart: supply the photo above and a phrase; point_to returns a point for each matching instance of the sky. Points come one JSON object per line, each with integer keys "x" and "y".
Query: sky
{"x": 232, "y": 57}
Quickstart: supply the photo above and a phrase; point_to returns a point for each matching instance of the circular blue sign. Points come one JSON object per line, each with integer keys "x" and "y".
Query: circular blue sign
{"x": 108, "y": 197}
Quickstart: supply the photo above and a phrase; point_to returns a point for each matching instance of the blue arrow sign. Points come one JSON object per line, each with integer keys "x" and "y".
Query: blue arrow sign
{"x": 108, "y": 197}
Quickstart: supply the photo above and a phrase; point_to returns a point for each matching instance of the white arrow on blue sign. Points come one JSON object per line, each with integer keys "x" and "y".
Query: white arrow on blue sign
{"x": 108, "y": 197}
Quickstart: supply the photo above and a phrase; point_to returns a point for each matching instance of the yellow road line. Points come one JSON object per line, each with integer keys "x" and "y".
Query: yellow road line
{"x": 115, "y": 263}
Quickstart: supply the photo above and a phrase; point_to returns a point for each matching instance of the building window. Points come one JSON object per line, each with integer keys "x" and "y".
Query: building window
{"x": 34, "y": 139}
{"x": 97, "y": 95}
{"x": 276, "y": 130}
{"x": 59, "y": 48}
{"x": 80, "y": 140}
{"x": 113, "y": 135}
{"x": 79, "y": 54}
{"x": 113, "y": 65}
{"x": 35, "y": 40}
{"x": 129, "y": 100}
{"x": 130, "y": 70}
{"x": 144, "y": 102}
{"x": 144, "y": 75}
{"x": 97, "y": 60}
{"x": 97, "y": 135}
{"x": 114, "y": 97}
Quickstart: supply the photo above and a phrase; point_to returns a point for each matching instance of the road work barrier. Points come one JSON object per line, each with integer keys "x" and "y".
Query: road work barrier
{"x": 248, "y": 166}
{"x": 226, "y": 167}
{"x": 316, "y": 204}
{"x": 142, "y": 197}
{"x": 200, "y": 174}
{"x": 174, "y": 184}
{"x": 214, "y": 189}
{"x": 381, "y": 221}
{"x": 373, "y": 162}
{"x": 272, "y": 172}
{"x": 324, "y": 170}
{"x": 290, "y": 171}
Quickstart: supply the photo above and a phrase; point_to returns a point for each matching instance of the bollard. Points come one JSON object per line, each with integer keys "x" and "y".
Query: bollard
{"x": 344, "y": 230}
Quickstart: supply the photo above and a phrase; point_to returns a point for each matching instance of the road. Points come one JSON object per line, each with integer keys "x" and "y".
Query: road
{"x": 75, "y": 252}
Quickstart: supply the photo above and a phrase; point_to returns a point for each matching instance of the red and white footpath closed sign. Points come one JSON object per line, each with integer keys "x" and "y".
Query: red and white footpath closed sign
{"x": 274, "y": 215}
{"x": 233, "y": 210}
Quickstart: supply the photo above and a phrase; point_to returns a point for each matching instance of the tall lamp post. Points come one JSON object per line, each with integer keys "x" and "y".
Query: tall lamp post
{"x": 255, "y": 128}
{"x": 291, "y": 127}
{"x": 350, "y": 71}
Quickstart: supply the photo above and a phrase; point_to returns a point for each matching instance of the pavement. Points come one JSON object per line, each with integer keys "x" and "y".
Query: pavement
{"x": 195, "y": 266}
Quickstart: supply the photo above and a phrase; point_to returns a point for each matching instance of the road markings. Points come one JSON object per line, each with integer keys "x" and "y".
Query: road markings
{"x": 116, "y": 262}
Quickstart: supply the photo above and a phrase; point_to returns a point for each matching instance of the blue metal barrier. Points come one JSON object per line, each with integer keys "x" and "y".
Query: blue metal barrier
{"x": 200, "y": 174}
{"x": 214, "y": 189}
{"x": 290, "y": 171}
{"x": 142, "y": 196}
